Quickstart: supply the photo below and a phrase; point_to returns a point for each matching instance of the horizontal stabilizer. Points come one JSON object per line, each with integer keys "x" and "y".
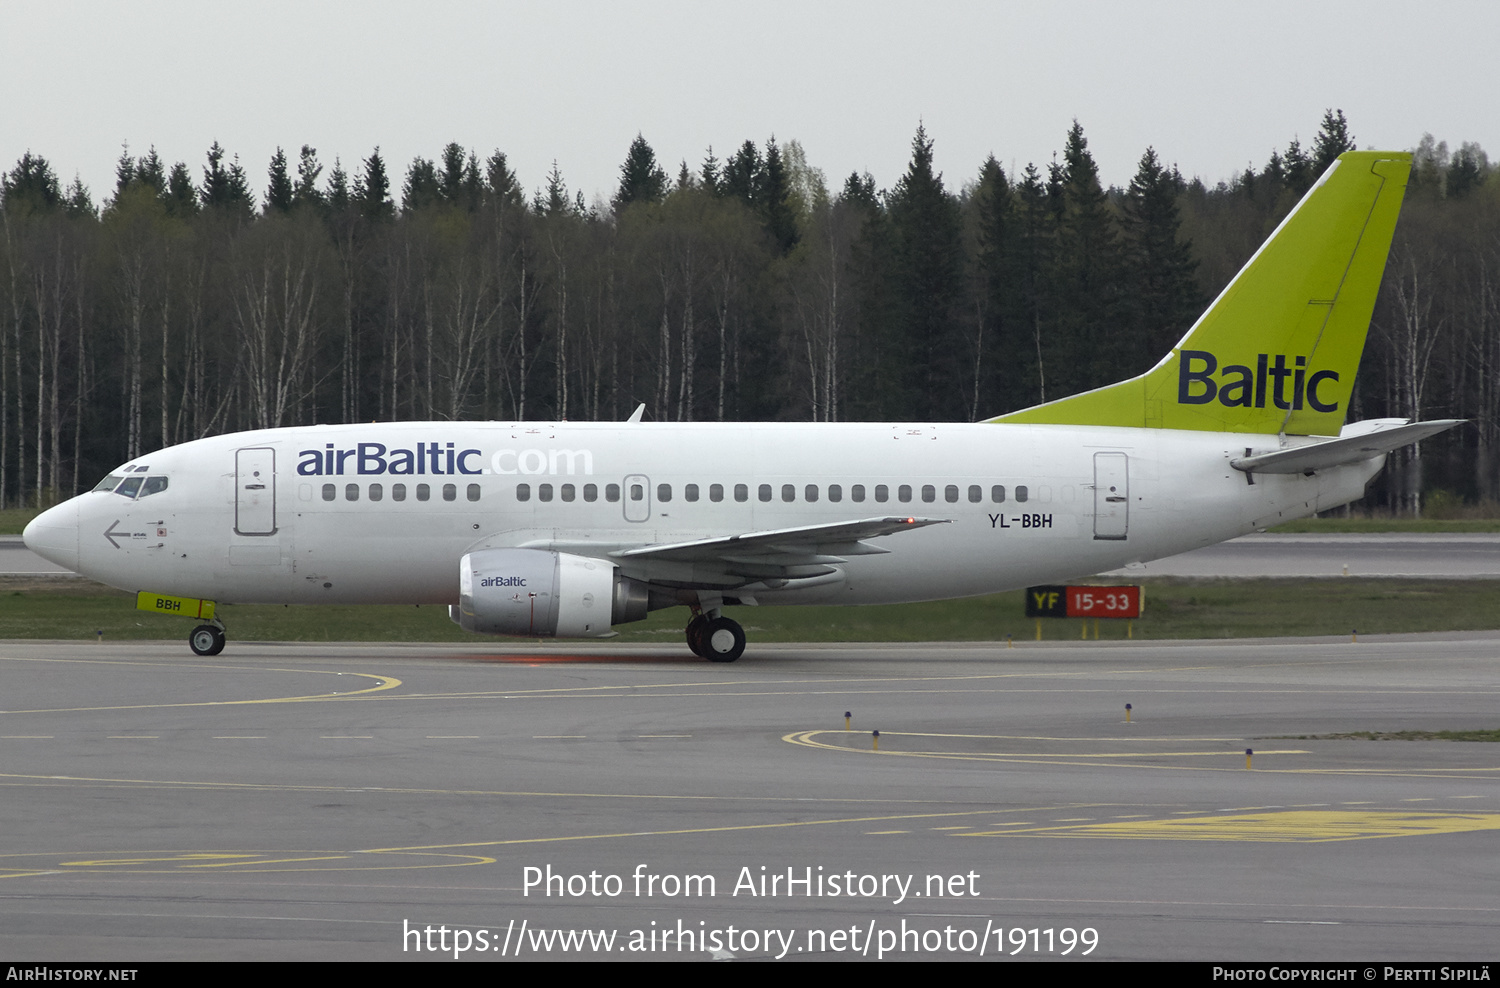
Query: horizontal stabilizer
{"x": 1346, "y": 449}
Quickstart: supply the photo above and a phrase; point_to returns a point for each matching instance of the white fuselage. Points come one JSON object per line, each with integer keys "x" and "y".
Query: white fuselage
{"x": 383, "y": 513}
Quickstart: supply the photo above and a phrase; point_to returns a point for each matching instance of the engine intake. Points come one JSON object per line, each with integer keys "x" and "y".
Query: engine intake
{"x": 538, "y": 593}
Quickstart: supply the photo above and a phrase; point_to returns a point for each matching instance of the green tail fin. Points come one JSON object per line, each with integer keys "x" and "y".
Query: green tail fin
{"x": 1278, "y": 349}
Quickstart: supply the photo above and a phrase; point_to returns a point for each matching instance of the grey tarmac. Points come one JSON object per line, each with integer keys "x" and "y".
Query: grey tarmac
{"x": 321, "y": 802}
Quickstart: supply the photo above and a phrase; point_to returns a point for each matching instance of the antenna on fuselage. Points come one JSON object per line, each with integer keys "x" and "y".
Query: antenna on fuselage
{"x": 640, "y": 410}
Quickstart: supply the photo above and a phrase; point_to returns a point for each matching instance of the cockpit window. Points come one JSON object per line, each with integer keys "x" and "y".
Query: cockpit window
{"x": 109, "y": 483}
{"x": 130, "y": 486}
{"x": 153, "y": 485}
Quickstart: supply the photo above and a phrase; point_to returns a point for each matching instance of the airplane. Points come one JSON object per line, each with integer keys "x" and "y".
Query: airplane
{"x": 569, "y": 529}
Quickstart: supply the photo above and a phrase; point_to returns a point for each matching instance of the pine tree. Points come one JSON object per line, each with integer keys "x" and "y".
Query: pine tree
{"x": 1299, "y": 169}
{"x": 860, "y": 189}
{"x": 471, "y": 195}
{"x": 993, "y": 203}
{"x": 500, "y": 184}
{"x": 641, "y": 178}
{"x": 215, "y": 191}
{"x": 1333, "y": 140}
{"x": 710, "y": 176}
{"x": 124, "y": 172}
{"x": 877, "y": 351}
{"x": 150, "y": 172}
{"x": 556, "y": 201}
{"x": 1163, "y": 296}
{"x": 279, "y": 191}
{"x": 1035, "y": 246}
{"x": 1273, "y": 176}
{"x": 146, "y": 171}
{"x": 77, "y": 202}
{"x": 372, "y": 190}
{"x": 339, "y": 198}
{"x": 306, "y": 192}
{"x": 1089, "y": 340}
{"x": 240, "y": 197}
{"x": 31, "y": 186}
{"x": 1057, "y": 180}
{"x": 459, "y": 181}
{"x": 182, "y": 197}
{"x": 422, "y": 188}
{"x": 928, "y": 241}
{"x": 1245, "y": 184}
{"x": 780, "y": 218}
{"x": 451, "y": 174}
{"x": 997, "y": 291}
{"x": 743, "y": 174}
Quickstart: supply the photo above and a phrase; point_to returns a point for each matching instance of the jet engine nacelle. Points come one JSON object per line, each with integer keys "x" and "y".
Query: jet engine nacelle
{"x": 537, "y": 593}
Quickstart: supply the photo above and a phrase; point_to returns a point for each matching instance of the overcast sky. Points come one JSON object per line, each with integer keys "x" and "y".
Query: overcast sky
{"x": 1213, "y": 86}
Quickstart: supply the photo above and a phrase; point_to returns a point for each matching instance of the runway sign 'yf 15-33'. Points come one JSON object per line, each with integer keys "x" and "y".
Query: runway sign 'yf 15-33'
{"x": 1085, "y": 602}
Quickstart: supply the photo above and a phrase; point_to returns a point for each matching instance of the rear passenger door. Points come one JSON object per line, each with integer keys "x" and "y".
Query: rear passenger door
{"x": 1111, "y": 495}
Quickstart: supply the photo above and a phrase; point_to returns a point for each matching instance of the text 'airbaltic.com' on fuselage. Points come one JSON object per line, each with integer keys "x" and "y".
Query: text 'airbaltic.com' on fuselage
{"x": 439, "y": 459}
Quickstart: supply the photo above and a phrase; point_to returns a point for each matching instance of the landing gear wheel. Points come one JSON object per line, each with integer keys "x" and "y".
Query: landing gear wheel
{"x": 206, "y": 640}
{"x": 695, "y": 635}
{"x": 723, "y": 640}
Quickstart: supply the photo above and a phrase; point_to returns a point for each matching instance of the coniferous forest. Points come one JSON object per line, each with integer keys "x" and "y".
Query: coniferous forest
{"x": 199, "y": 300}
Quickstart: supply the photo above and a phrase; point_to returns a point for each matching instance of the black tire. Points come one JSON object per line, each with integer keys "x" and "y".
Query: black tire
{"x": 206, "y": 640}
{"x": 723, "y": 640}
{"x": 695, "y": 635}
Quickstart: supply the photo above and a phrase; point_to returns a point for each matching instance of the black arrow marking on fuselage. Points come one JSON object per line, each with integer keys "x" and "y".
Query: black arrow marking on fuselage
{"x": 110, "y": 533}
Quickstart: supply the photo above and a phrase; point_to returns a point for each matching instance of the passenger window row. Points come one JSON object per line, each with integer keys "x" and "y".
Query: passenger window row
{"x": 376, "y": 492}
{"x": 766, "y": 492}
{"x": 569, "y": 492}
{"x": 788, "y": 493}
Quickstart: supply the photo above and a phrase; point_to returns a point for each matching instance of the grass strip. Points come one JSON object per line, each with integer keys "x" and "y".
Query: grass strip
{"x": 1399, "y": 736}
{"x": 71, "y": 608}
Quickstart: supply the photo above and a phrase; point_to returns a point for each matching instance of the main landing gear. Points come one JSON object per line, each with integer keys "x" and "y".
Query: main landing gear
{"x": 715, "y": 637}
{"x": 207, "y": 639}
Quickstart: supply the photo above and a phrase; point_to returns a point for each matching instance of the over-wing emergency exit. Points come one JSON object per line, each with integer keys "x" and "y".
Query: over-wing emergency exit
{"x": 570, "y": 529}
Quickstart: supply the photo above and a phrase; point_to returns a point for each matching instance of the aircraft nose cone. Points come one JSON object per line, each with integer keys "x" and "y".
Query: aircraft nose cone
{"x": 53, "y": 535}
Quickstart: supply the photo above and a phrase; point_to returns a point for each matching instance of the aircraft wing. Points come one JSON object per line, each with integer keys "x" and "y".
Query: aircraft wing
{"x": 840, "y": 538}
{"x": 1345, "y": 449}
{"x": 806, "y": 554}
